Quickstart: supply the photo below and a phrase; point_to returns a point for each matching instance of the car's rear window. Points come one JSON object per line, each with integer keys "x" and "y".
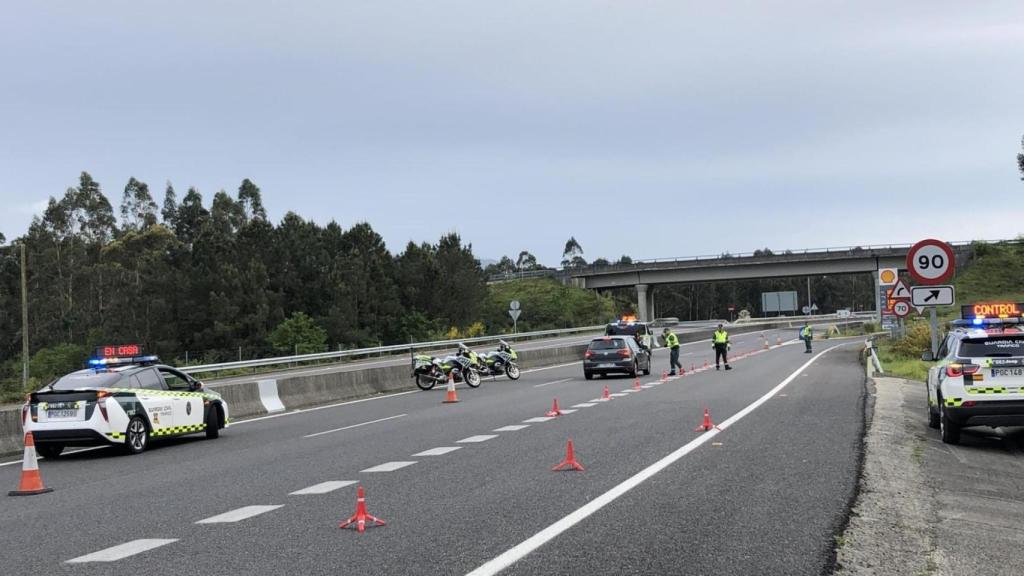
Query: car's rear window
{"x": 87, "y": 380}
{"x": 609, "y": 344}
{"x": 625, "y": 329}
{"x": 992, "y": 347}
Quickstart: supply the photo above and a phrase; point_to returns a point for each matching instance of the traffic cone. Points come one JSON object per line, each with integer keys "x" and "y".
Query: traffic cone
{"x": 682, "y": 371}
{"x": 707, "y": 424}
{"x": 766, "y": 344}
{"x": 606, "y": 395}
{"x": 664, "y": 376}
{"x": 705, "y": 364}
{"x": 692, "y": 368}
{"x": 554, "y": 409}
{"x": 31, "y": 483}
{"x": 361, "y": 516}
{"x": 636, "y": 384}
{"x": 451, "y": 397}
{"x": 570, "y": 460}
{"x": 778, "y": 340}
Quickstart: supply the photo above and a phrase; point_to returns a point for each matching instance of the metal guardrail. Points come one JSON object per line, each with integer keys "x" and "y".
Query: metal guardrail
{"x": 385, "y": 350}
{"x": 397, "y": 349}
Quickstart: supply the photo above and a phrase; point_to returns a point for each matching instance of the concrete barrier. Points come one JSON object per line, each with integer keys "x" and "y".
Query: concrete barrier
{"x": 10, "y": 431}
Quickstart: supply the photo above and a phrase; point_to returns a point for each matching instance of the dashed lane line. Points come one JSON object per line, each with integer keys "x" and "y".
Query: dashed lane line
{"x": 323, "y": 487}
{"x": 539, "y": 419}
{"x": 550, "y": 383}
{"x": 518, "y": 552}
{"x": 239, "y": 514}
{"x": 388, "y": 467}
{"x": 122, "y": 551}
{"x": 439, "y": 451}
{"x": 584, "y": 405}
{"x": 477, "y": 439}
{"x": 354, "y": 426}
{"x": 511, "y": 428}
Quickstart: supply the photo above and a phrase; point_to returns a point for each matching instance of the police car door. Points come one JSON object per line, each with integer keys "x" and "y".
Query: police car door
{"x": 188, "y": 409}
{"x": 936, "y": 372}
{"x": 158, "y": 403}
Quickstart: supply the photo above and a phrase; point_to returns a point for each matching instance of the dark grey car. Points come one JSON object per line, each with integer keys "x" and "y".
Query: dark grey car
{"x": 615, "y": 355}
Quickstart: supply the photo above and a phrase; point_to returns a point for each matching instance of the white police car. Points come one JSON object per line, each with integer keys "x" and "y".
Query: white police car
{"x": 124, "y": 399}
{"x": 979, "y": 378}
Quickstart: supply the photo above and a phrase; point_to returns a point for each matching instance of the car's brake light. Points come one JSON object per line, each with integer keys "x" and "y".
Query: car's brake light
{"x": 625, "y": 353}
{"x": 954, "y": 370}
{"x": 970, "y": 368}
{"x": 588, "y": 354}
{"x": 101, "y": 403}
{"x": 24, "y": 414}
{"x": 968, "y": 403}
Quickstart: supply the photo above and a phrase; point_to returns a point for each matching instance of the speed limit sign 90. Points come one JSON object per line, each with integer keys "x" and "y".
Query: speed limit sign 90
{"x": 931, "y": 262}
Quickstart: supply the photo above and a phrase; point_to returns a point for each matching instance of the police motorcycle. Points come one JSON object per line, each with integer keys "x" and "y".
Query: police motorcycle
{"x": 430, "y": 371}
{"x": 500, "y": 361}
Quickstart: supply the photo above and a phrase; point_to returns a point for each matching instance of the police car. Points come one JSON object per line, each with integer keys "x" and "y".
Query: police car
{"x": 979, "y": 377}
{"x": 123, "y": 398}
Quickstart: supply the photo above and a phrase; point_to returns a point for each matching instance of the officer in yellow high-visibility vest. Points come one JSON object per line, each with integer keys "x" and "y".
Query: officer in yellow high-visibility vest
{"x": 672, "y": 343}
{"x": 720, "y": 342}
{"x": 807, "y": 334}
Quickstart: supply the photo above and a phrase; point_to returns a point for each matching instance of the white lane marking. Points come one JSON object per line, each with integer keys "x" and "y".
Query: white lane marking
{"x": 619, "y": 394}
{"x": 648, "y": 385}
{"x": 584, "y": 405}
{"x": 517, "y": 552}
{"x": 475, "y": 439}
{"x": 323, "y": 487}
{"x": 539, "y": 419}
{"x": 576, "y": 363}
{"x": 566, "y": 410}
{"x": 68, "y": 453}
{"x": 239, "y": 514}
{"x": 596, "y": 400}
{"x": 550, "y": 383}
{"x": 439, "y": 451}
{"x": 388, "y": 467}
{"x": 354, "y": 426}
{"x": 315, "y": 408}
{"x": 123, "y": 550}
{"x": 512, "y": 428}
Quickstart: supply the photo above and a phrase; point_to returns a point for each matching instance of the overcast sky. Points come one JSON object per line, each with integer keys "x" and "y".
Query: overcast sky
{"x": 653, "y": 129}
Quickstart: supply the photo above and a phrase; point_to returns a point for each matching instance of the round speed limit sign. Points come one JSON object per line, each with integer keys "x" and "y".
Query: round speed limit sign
{"x": 901, "y": 308}
{"x": 931, "y": 262}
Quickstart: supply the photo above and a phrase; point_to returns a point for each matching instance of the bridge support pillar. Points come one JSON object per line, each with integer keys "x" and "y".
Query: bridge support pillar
{"x": 644, "y": 302}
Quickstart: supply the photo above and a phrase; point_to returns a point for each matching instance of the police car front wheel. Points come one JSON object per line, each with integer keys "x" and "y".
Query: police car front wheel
{"x": 137, "y": 436}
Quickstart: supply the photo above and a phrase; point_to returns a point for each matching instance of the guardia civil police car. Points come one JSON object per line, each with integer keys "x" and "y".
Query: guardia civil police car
{"x": 123, "y": 398}
{"x": 979, "y": 377}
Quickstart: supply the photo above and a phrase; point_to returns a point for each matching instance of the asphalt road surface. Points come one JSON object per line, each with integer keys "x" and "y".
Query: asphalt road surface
{"x": 468, "y": 487}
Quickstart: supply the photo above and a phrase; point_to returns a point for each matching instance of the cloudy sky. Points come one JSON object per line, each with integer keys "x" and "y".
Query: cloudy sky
{"x": 648, "y": 128}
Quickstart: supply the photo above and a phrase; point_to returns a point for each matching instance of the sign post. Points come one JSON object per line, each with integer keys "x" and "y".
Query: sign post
{"x": 932, "y": 262}
{"x": 513, "y": 311}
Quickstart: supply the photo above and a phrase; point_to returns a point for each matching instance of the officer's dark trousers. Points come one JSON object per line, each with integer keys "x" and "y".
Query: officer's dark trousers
{"x": 673, "y": 360}
{"x": 721, "y": 353}
{"x": 807, "y": 342}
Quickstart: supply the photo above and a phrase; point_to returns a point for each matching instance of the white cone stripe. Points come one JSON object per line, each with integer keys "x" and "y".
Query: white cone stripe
{"x": 29, "y": 460}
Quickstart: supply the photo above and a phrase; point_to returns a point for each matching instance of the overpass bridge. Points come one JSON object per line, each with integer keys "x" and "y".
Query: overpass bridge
{"x": 645, "y": 275}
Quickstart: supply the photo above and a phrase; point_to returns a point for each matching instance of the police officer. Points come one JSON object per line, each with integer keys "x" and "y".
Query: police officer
{"x": 720, "y": 342}
{"x": 672, "y": 343}
{"x": 806, "y": 334}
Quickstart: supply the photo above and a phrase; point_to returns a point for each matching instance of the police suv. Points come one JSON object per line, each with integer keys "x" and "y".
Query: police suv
{"x": 123, "y": 398}
{"x": 979, "y": 377}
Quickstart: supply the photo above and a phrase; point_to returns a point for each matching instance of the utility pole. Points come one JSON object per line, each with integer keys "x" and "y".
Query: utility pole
{"x": 24, "y": 320}
{"x": 809, "y": 311}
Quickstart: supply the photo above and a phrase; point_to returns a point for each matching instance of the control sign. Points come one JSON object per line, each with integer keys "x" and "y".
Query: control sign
{"x": 931, "y": 262}
{"x": 922, "y": 296}
{"x": 901, "y": 308}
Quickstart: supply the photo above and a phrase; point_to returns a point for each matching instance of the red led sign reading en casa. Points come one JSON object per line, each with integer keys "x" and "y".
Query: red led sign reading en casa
{"x": 119, "y": 351}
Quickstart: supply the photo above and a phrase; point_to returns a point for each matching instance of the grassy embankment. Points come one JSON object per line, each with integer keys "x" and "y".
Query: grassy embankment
{"x": 995, "y": 274}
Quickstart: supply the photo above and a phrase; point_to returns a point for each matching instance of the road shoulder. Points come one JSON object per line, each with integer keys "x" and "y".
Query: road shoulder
{"x": 927, "y": 508}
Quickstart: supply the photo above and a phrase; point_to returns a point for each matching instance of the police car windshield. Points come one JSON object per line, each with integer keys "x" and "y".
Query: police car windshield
{"x": 992, "y": 347}
{"x": 86, "y": 379}
{"x": 609, "y": 344}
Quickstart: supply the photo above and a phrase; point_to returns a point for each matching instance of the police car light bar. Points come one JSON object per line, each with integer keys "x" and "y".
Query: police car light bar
{"x": 103, "y": 362}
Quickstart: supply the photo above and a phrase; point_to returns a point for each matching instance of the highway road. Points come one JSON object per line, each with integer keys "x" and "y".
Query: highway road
{"x": 467, "y": 488}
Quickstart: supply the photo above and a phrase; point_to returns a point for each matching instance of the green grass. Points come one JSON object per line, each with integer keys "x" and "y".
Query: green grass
{"x": 898, "y": 364}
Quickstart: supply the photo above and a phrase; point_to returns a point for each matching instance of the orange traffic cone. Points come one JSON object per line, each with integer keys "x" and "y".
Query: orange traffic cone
{"x": 451, "y": 397}
{"x": 766, "y": 344}
{"x": 778, "y": 340}
{"x": 606, "y": 395}
{"x": 636, "y": 384}
{"x": 360, "y": 517}
{"x": 705, "y": 364}
{"x": 707, "y": 424}
{"x": 570, "y": 460}
{"x": 664, "y": 376}
{"x": 692, "y": 368}
{"x": 554, "y": 409}
{"x": 31, "y": 482}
